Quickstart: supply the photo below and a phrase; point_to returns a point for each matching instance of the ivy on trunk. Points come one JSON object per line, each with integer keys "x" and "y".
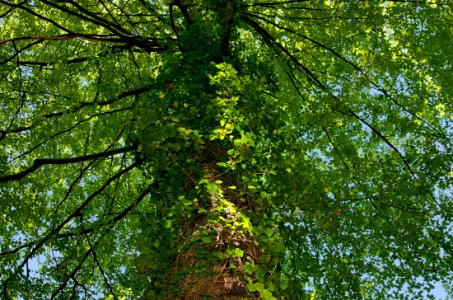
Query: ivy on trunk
{"x": 229, "y": 149}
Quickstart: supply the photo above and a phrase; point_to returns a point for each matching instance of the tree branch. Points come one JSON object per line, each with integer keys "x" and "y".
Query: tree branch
{"x": 148, "y": 45}
{"x": 77, "y": 212}
{"x": 271, "y": 4}
{"x": 79, "y": 209}
{"x": 69, "y": 129}
{"x": 184, "y": 11}
{"x": 17, "y": 249}
{"x": 414, "y": 115}
{"x": 355, "y": 67}
{"x": 385, "y": 140}
{"x": 75, "y": 270}
{"x": 112, "y": 50}
{"x": 19, "y": 51}
{"x": 86, "y": 231}
{"x": 419, "y": 2}
{"x": 95, "y": 257}
{"x": 273, "y": 44}
{"x": 111, "y": 223}
{"x": 30, "y": 11}
{"x": 123, "y": 95}
{"x": 113, "y": 220}
{"x": 89, "y": 17}
{"x": 61, "y": 161}
{"x": 73, "y": 183}
{"x": 307, "y": 38}
{"x": 229, "y": 18}
{"x": 63, "y": 37}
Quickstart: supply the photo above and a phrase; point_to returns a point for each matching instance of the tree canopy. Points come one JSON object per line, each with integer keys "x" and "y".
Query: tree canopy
{"x": 225, "y": 149}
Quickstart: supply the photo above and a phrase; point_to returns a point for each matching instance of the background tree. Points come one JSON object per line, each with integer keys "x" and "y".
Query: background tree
{"x": 190, "y": 149}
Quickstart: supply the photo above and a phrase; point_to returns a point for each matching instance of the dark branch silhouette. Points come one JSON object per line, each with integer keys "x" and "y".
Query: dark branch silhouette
{"x": 123, "y": 95}
{"x": 89, "y": 17}
{"x": 76, "y": 269}
{"x": 88, "y": 230}
{"x": 354, "y": 66}
{"x": 56, "y": 229}
{"x": 32, "y": 12}
{"x": 385, "y": 140}
{"x": 272, "y": 4}
{"x": 229, "y": 18}
{"x": 61, "y": 161}
{"x": 274, "y": 45}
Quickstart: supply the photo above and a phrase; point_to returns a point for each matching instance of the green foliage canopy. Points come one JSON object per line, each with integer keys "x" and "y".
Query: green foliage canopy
{"x": 321, "y": 130}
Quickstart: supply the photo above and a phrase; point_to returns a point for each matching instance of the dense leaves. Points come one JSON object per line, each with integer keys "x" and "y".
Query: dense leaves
{"x": 273, "y": 149}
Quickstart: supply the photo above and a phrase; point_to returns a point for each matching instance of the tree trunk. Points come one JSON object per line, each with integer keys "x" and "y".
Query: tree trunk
{"x": 215, "y": 246}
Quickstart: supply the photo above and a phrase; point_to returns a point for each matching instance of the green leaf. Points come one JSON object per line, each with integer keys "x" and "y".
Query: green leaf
{"x": 217, "y": 255}
{"x": 266, "y": 295}
{"x": 206, "y": 239}
{"x": 257, "y": 286}
{"x": 239, "y": 252}
{"x": 248, "y": 268}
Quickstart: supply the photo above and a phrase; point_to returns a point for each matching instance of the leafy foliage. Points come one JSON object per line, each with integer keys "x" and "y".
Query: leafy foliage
{"x": 181, "y": 149}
